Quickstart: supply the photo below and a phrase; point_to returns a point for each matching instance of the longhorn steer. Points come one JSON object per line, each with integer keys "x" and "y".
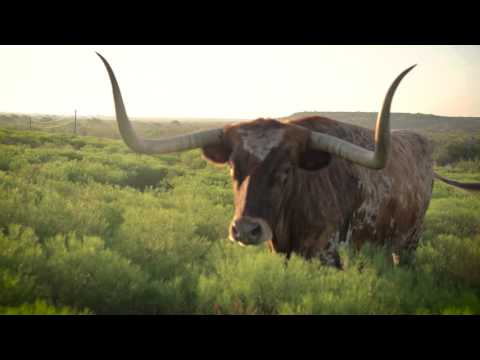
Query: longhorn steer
{"x": 307, "y": 185}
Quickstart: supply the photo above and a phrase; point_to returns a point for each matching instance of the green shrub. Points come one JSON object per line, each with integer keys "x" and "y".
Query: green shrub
{"x": 471, "y": 166}
{"x": 452, "y": 256}
{"x": 41, "y": 308}
{"x": 89, "y": 227}
{"x": 456, "y": 149}
{"x": 451, "y": 215}
{"x": 82, "y": 273}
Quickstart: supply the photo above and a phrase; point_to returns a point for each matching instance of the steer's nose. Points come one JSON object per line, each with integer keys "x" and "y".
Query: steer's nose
{"x": 246, "y": 231}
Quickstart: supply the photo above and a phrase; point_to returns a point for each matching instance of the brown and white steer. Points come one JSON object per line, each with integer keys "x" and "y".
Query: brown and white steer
{"x": 305, "y": 186}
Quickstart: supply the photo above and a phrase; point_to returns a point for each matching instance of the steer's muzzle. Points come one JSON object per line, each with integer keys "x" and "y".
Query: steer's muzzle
{"x": 250, "y": 231}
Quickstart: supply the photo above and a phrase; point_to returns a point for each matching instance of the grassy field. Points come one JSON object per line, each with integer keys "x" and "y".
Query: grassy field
{"x": 104, "y": 127}
{"x": 88, "y": 227}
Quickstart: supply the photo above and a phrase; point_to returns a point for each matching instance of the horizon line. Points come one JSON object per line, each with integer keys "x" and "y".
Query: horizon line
{"x": 224, "y": 118}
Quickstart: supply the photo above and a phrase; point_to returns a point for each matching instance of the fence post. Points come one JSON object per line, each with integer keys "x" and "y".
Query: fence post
{"x": 75, "y": 130}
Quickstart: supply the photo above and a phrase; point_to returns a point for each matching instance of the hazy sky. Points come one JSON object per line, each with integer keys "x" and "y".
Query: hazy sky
{"x": 239, "y": 81}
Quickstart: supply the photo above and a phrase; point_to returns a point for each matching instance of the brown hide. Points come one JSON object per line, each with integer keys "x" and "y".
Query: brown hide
{"x": 313, "y": 201}
{"x": 387, "y": 206}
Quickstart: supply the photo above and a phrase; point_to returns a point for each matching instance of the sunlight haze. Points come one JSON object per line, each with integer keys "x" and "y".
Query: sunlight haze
{"x": 240, "y": 82}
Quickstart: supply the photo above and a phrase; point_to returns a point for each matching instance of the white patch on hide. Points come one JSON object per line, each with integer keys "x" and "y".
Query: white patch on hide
{"x": 260, "y": 143}
{"x": 348, "y": 238}
{"x": 388, "y": 181}
{"x": 334, "y": 240}
{"x": 392, "y": 223}
{"x": 368, "y": 212}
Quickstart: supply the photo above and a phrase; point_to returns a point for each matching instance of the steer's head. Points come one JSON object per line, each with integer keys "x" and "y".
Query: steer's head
{"x": 263, "y": 156}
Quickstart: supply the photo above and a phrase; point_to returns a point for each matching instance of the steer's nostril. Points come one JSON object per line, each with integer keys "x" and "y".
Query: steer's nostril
{"x": 246, "y": 231}
{"x": 256, "y": 231}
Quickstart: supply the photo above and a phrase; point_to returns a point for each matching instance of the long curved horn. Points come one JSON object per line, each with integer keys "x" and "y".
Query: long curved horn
{"x": 156, "y": 146}
{"x": 371, "y": 159}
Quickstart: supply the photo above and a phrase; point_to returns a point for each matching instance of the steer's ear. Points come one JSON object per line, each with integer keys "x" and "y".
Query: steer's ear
{"x": 218, "y": 154}
{"x": 313, "y": 159}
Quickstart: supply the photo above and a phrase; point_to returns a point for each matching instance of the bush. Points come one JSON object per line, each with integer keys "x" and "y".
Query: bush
{"x": 457, "y": 149}
{"x": 454, "y": 216}
{"x": 88, "y": 227}
{"x": 454, "y": 257}
{"x": 470, "y": 166}
{"x": 41, "y": 308}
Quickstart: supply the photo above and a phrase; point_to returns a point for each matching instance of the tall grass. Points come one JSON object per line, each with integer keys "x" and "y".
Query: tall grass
{"x": 89, "y": 228}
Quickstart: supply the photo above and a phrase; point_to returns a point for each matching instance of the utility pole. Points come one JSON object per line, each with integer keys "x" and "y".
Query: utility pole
{"x": 75, "y": 131}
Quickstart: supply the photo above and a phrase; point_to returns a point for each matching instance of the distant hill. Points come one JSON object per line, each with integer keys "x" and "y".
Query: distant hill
{"x": 417, "y": 121}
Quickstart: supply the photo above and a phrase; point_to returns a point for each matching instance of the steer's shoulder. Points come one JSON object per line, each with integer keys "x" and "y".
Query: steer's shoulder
{"x": 315, "y": 123}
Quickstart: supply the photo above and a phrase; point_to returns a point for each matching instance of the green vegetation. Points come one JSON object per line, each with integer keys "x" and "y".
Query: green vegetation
{"x": 103, "y": 127}
{"x": 418, "y": 122}
{"x": 455, "y": 148}
{"x": 87, "y": 227}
